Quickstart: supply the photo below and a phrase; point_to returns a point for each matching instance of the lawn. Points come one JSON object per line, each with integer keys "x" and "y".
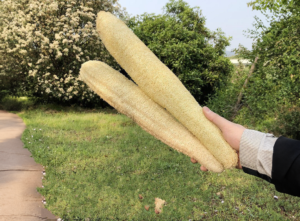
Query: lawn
{"x": 97, "y": 162}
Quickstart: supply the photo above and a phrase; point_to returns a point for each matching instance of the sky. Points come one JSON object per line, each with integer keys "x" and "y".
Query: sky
{"x": 231, "y": 16}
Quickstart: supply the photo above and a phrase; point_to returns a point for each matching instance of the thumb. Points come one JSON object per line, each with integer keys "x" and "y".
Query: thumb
{"x": 219, "y": 121}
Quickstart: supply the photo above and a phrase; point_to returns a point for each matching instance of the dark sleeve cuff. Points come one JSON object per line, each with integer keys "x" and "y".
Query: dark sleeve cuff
{"x": 255, "y": 173}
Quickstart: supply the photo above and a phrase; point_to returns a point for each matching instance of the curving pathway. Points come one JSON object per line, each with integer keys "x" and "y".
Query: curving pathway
{"x": 20, "y": 175}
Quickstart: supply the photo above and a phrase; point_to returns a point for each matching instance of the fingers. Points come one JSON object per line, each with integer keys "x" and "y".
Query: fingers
{"x": 219, "y": 121}
{"x": 193, "y": 160}
{"x": 203, "y": 168}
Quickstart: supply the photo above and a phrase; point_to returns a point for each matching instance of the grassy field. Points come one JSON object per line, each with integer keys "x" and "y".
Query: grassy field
{"x": 97, "y": 163}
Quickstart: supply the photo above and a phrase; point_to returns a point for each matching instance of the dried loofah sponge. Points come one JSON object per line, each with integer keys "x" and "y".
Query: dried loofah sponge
{"x": 159, "y": 203}
{"x": 130, "y": 100}
{"x": 161, "y": 85}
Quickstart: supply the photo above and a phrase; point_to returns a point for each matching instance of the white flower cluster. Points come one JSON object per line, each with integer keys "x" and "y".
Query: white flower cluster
{"x": 46, "y": 41}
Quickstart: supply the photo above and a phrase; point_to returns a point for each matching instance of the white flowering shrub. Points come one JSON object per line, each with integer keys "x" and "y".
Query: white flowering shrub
{"x": 44, "y": 42}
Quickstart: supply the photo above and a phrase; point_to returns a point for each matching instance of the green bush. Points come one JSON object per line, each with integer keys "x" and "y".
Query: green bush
{"x": 287, "y": 123}
{"x": 11, "y": 104}
{"x": 181, "y": 41}
{"x": 3, "y": 94}
{"x": 224, "y": 100}
{"x": 264, "y": 99}
{"x": 274, "y": 86}
{"x": 44, "y": 43}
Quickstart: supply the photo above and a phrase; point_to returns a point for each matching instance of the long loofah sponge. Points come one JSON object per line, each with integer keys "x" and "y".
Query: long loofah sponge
{"x": 128, "y": 99}
{"x": 161, "y": 85}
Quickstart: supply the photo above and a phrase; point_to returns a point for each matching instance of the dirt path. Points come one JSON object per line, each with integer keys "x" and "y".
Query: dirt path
{"x": 20, "y": 175}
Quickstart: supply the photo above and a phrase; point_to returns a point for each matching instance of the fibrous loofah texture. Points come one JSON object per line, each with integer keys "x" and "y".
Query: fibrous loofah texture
{"x": 161, "y": 85}
{"x": 128, "y": 99}
{"x": 159, "y": 203}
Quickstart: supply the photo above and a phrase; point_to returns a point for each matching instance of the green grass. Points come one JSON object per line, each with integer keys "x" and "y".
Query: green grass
{"x": 97, "y": 163}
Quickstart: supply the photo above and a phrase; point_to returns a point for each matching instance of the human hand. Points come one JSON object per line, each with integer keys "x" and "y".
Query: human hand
{"x": 231, "y": 132}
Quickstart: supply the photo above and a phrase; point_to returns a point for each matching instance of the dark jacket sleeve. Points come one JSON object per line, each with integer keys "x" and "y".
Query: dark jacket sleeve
{"x": 285, "y": 167}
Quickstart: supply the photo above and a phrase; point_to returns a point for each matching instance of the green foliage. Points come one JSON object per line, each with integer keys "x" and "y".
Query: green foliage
{"x": 272, "y": 5}
{"x": 9, "y": 85}
{"x": 180, "y": 40}
{"x": 264, "y": 97}
{"x": 226, "y": 96}
{"x": 287, "y": 123}
{"x": 3, "y": 94}
{"x": 275, "y": 83}
{"x": 10, "y": 103}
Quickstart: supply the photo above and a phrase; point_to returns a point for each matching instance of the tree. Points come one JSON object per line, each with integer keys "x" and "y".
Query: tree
{"x": 278, "y": 48}
{"x": 43, "y": 44}
{"x": 272, "y": 5}
{"x": 273, "y": 88}
{"x": 272, "y": 95}
{"x": 180, "y": 40}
